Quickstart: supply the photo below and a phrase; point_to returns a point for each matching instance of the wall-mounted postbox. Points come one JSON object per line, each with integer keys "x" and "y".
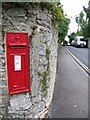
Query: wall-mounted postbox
{"x": 17, "y": 62}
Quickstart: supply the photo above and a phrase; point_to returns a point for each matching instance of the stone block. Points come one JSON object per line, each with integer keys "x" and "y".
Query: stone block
{"x": 3, "y": 90}
{"x": 42, "y": 23}
{"x": 46, "y": 37}
{"x": 19, "y": 102}
{"x": 3, "y": 83}
{"x": 42, "y": 69}
{"x": 2, "y": 70}
{"x": 1, "y": 116}
{"x": 43, "y": 61}
{"x": 40, "y": 78}
{"x": 1, "y": 49}
{"x": 39, "y": 107}
{"x": 32, "y": 12}
{"x": 32, "y": 19}
{"x": 42, "y": 16}
{"x": 4, "y": 75}
{"x": 16, "y": 12}
{"x": 36, "y": 99}
{"x": 36, "y": 40}
{"x": 49, "y": 21}
{"x": 42, "y": 50}
{"x": 35, "y": 84}
{"x": 24, "y": 27}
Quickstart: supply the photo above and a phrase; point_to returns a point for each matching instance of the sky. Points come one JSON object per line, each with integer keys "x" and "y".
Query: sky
{"x": 73, "y": 8}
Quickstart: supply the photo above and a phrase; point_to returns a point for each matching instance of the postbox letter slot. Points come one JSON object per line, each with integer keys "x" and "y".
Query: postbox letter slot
{"x": 17, "y": 45}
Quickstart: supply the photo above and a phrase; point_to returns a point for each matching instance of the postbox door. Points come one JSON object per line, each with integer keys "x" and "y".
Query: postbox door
{"x": 18, "y": 71}
{"x": 18, "y": 66}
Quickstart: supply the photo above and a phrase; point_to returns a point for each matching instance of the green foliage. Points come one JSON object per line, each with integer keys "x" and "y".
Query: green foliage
{"x": 84, "y": 24}
{"x": 87, "y": 10}
{"x": 48, "y": 51}
{"x": 46, "y": 76}
{"x": 55, "y": 8}
{"x": 60, "y": 19}
{"x": 44, "y": 86}
{"x": 63, "y": 28}
{"x": 72, "y": 36}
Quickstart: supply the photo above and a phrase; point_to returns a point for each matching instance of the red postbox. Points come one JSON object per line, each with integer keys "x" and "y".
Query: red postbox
{"x": 17, "y": 62}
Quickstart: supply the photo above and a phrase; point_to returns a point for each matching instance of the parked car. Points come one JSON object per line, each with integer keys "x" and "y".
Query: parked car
{"x": 73, "y": 42}
{"x": 79, "y": 41}
{"x": 65, "y": 43}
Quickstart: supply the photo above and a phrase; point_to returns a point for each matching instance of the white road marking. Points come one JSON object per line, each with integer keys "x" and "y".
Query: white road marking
{"x": 83, "y": 66}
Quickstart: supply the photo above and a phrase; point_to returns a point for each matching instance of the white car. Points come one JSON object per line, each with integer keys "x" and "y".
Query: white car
{"x": 72, "y": 43}
{"x": 79, "y": 41}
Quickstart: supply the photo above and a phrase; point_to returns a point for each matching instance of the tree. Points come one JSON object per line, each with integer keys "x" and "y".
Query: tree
{"x": 87, "y": 11}
{"x": 77, "y": 21}
{"x": 82, "y": 24}
{"x": 63, "y": 28}
{"x": 72, "y": 36}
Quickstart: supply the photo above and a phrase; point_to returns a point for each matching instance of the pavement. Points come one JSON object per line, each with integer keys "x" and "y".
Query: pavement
{"x": 70, "y": 98}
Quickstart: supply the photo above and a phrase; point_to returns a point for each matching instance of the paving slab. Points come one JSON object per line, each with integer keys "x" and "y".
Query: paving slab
{"x": 70, "y": 99}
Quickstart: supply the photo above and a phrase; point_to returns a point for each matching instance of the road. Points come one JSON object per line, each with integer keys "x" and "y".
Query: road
{"x": 80, "y": 53}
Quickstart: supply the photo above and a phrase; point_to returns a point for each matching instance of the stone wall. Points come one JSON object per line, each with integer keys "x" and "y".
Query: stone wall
{"x": 43, "y": 58}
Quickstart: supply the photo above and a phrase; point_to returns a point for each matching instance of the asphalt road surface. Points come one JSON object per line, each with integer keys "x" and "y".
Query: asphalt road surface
{"x": 80, "y": 53}
{"x": 70, "y": 98}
